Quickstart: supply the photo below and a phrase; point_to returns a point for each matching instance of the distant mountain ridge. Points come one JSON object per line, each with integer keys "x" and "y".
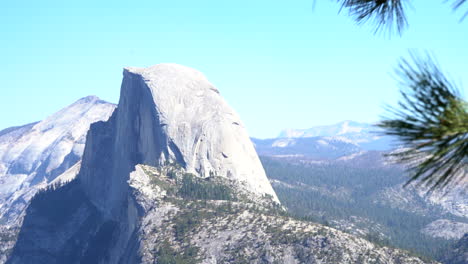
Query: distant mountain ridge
{"x": 310, "y": 148}
{"x": 324, "y": 171}
{"x": 172, "y": 177}
{"x": 345, "y": 127}
{"x": 325, "y": 142}
{"x": 364, "y": 135}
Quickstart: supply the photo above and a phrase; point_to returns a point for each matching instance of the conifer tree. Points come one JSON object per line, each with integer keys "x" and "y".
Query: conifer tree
{"x": 386, "y": 14}
{"x": 431, "y": 121}
{"x": 432, "y": 118}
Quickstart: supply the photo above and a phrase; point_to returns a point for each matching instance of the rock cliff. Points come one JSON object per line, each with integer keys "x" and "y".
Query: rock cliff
{"x": 168, "y": 113}
{"x": 34, "y": 155}
{"x": 172, "y": 177}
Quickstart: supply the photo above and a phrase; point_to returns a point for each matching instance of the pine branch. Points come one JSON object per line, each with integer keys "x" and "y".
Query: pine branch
{"x": 432, "y": 124}
{"x": 457, "y": 4}
{"x": 386, "y": 14}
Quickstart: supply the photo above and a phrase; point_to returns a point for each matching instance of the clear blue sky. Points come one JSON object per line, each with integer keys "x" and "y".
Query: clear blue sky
{"x": 280, "y": 64}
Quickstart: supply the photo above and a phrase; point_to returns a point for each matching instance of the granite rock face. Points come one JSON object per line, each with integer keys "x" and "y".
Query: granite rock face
{"x": 34, "y": 155}
{"x": 168, "y": 113}
{"x": 172, "y": 177}
{"x": 166, "y": 222}
{"x": 233, "y": 231}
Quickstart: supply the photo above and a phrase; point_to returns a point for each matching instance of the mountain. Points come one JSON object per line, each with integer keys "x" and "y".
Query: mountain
{"x": 308, "y": 148}
{"x": 458, "y": 253}
{"x": 172, "y": 177}
{"x": 168, "y": 114}
{"x": 361, "y": 145}
{"x": 328, "y": 175}
{"x": 446, "y": 229}
{"x": 34, "y": 155}
{"x": 364, "y": 135}
{"x": 368, "y": 201}
{"x": 186, "y": 219}
{"x": 41, "y": 154}
{"x": 346, "y": 127}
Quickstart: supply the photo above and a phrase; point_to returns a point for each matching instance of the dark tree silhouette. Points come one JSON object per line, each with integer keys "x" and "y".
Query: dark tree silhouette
{"x": 432, "y": 118}
{"x": 385, "y": 13}
{"x": 431, "y": 121}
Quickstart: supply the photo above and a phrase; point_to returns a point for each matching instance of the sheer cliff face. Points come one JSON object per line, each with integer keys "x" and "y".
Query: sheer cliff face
{"x": 37, "y": 154}
{"x": 168, "y": 113}
{"x": 117, "y": 211}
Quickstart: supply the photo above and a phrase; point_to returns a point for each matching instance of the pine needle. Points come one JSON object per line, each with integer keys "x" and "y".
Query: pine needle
{"x": 431, "y": 121}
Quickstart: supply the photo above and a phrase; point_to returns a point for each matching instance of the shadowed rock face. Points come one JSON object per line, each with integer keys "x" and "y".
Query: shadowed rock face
{"x": 37, "y": 154}
{"x": 458, "y": 254}
{"x": 168, "y": 113}
{"x": 117, "y": 212}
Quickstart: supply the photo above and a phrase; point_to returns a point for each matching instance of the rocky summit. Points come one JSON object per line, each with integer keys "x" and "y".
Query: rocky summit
{"x": 168, "y": 114}
{"x": 35, "y": 155}
{"x": 172, "y": 177}
{"x": 41, "y": 154}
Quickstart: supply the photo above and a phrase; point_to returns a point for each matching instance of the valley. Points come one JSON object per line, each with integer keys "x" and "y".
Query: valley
{"x": 153, "y": 184}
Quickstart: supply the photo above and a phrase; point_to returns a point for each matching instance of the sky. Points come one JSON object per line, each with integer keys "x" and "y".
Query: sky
{"x": 279, "y": 64}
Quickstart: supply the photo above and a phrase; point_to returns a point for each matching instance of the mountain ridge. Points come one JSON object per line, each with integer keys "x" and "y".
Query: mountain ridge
{"x": 342, "y": 127}
{"x": 33, "y": 155}
{"x": 364, "y": 135}
{"x": 168, "y": 113}
{"x": 142, "y": 197}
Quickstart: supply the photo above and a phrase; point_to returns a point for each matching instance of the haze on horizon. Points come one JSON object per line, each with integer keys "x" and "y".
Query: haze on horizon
{"x": 279, "y": 65}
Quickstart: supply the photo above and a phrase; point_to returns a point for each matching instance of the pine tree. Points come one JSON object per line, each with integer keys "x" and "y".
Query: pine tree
{"x": 385, "y": 13}
{"x": 432, "y": 123}
{"x": 432, "y": 118}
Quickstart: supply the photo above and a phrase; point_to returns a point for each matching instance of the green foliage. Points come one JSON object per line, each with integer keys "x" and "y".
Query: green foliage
{"x": 377, "y": 239}
{"x": 167, "y": 255}
{"x": 327, "y": 193}
{"x": 432, "y": 123}
{"x": 193, "y": 187}
{"x": 363, "y": 181}
{"x": 58, "y": 203}
{"x": 194, "y": 213}
{"x": 281, "y": 236}
{"x": 176, "y": 182}
{"x": 384, "y": 13}
{"x": 100, "y": 243}
{"x": 162, "y": 178}
{"x": 186, "y": 221}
